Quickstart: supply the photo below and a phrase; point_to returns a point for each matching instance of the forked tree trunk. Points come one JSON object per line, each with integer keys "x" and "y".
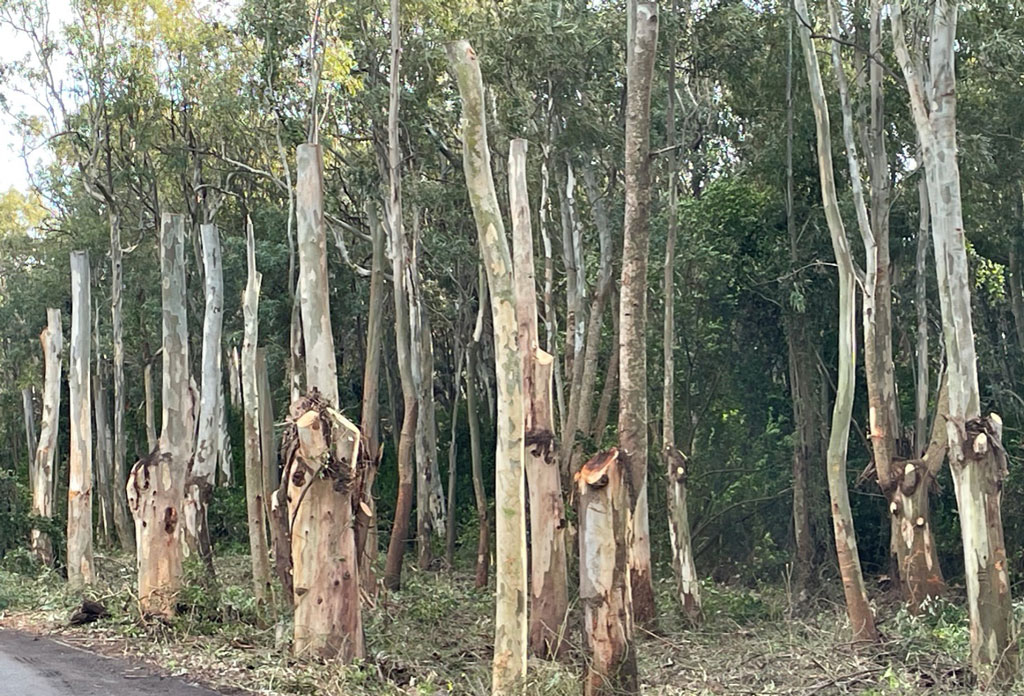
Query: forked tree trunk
{"x": 401, "y": 274}
{"x": 156, "y": 485}
{"x": 322, "y": 472}
{"x": 254, "y": 484}
{"x": 122, "y": 520}
{"x": 52, "y": 340}
{"x": 549, "y": 597}
{"x": 147, "y": 381}
{"x": 862, "y": 621}
{"x": 80, "y": 561}
{"x": 602, "y": 492}
{"x": 976, "y": 454}
{"x": 510, "y": 625}
{"x": 203, "y": 469}
{"x": 483, "y": 545}
{"x": 633, "y": 304}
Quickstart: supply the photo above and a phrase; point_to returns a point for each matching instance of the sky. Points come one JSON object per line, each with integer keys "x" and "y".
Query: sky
{"x": 14, "y": 46}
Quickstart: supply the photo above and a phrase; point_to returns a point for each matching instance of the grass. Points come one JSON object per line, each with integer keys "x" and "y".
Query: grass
{"x": 434, "y": 637}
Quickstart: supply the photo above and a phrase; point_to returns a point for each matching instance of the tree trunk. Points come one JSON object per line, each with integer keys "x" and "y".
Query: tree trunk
{"x": 156, "y": 485}
{"x": 254, "y": 482}
{"x": 80, "y": 561}
{"x": 611, "y": 380}
{"x": 633, "y": 304}
{"x": 122, "y": 521}
{"x": 602, "y": 490}
{"x": 858, "y": 609}
{"x": 234, "y": 377}
{"x": 321, "y": 488}
{"x": 203, "y": 469}
{"x": 450, "y": 531}
{"x": 31, "y": 443}
{"x": 921, "y": 307}
{"x": 483, "y": 546}
{"x": 402, "y": 275}
{"x": 52, "y": 340}
{"x": 268, "y": 447}
{"x": 510, "y": 625}
{"x": 549, "y": 598}
{"x": 147, "y": 379}
{"x": 103, "y": 459}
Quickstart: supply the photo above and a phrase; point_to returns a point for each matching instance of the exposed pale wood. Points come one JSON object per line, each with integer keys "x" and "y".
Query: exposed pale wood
{"x": 52, "y": 340}
{"x": 510, "y": 624}
{"x": 80, "y": 490}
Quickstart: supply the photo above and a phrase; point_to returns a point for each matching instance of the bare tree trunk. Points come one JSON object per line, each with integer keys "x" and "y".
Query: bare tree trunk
{"x": 103, "y": 460}
{"x": 921, "y": 307}
{"x": 122, "y": 520}
{"x": 156, "y": 485}
{"x": 633, "y": 304}
{"x": 602, "y": 490}
{"x": 28, "y": 411}
{"x": 42, "y": 480}
{"x": 254, "y": 482}
{"x": 147, "y": 379}
{"x": 510, "y": 625}
{"x": 977, "y": 458}
{"x": 611, "y": 380}
{"x": 450, "y": 531}
{"x": 321, "y": 488}
{"x": 483, "y": 547}
{"x": 234, "y": 377}
{"x": 861, "y": 618}
{"x": 203, "y": 468}
{"x": 549, "y": 598}
{"x": 80, "y": 561}
{"x": 268, "y": 448}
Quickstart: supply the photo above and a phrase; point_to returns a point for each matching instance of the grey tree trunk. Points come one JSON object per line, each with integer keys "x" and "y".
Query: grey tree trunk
{"x": 510, "y": 625}
{"x": 80, "y": 560}
{"x": 42, "y": 473}
{"x": 103, "y": 459}
{"x": 122, "y": 520}
{"x": 921, "y": 307}
{"x": 28, "y": 412}
{"x": 633, "y": 303}
{"x": 147, "y": 379}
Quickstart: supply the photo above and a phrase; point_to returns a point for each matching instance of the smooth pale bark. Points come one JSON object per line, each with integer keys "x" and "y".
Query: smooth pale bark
{"x": 483, "y": 546}
{"x": 103, "y": 459}
{"x": 858, "y": 609}
{"x": 921, "y": 308}
{"x": 268, "y": 449}
{"x": 976, "y": 456}
{"x": 254, "y": 482}
{"x": 510, "y": 624}
{"x": 320, "y": 491}
{"x": 402, "y": 273}
{"x": 234, "y": 377}
{"x": 575, "y": 296}
{"x": 203, "y": 470}
{"x": 549, "y": 596}
{"x": 52, "y": 340}
{"x": 147, "y": 380}
{"x": 370, "y": 411}
{"x": 633, "y": 302}
{"x": 122, "y": 519}
{"x": 602, "y": 492}
{"x": 80, "y": 561}
{"x": 156, "y": 485}
{"x": 28, "y": 413}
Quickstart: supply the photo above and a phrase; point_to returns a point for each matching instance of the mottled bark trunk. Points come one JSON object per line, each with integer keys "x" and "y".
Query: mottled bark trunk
{"x": 234, "y": 377}
{"x": 977, "y": 459}
{"x": 602, "y": 490}
{"x": 203, "y": 468}
{"x": 549, "y": 598}
{"x": 254, "y": 481}
{"x": 52, "y": 340}
{"x": 429, "y": 492}
{"x": 510, "y": 625}
{"x": 156, "y": 485}
{"x": 858, "y": 609}
{"x": 921, "y": 309}
{"x": 80, "y": 561}
{"x": 122, "y": 520}
{"x": 633, "y": 303}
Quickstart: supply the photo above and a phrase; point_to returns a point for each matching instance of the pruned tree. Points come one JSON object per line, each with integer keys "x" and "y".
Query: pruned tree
{"x": 80, "y": 560}
{"x": 42, "y": 474}
{"x": 510, "y": 625}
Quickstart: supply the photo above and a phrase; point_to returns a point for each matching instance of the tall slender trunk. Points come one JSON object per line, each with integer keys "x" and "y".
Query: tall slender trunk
{"x": 156, "y": 485}
{"x": 976, "y": 454}
{"x": 147, "y": 380}
{"x": 611, "y": 380}
{"x": 450, "y": 531}
{"x": 103, "y": 459}
{"x": 28, "y": 412}
{"x": 549, "y": 598}
{"x": 52, "y": 340}
{"x": 858, "y": 609}
{"x": 633, "y": 304}
{"x": 510, "y": 625}
{"x": 321, "y": 488}
{"x": 80, "y": 561}
{"x": 254, "y": 482}
{"x": 268, "y": 446}
{"x": 122, "y": 520}
{"x": 921, "y": 308}
{"x": 483, "y": 546}
{"x": 203, "y": 468}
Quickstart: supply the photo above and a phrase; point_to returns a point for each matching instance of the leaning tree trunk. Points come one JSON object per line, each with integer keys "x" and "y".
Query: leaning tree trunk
{"x": 203, "y": 469}
{"x": 510, "y": 626}
{"x": 322, "y": 471}
{"x": 52, "y": 340}
{"x": 976, "y": 455}
{"x": 633, "y": 303}
{"x": 603, "y": 499}
{"x": 254, "y": 484}
{"x": 862, "y": 620}
{"x": 80, "y": 561}
{"x": 156, "y": 485}
{"x": 549, "y": 595}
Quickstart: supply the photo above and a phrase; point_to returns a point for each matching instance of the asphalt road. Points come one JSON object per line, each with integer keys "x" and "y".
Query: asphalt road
{"x": 35, "y": 666}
